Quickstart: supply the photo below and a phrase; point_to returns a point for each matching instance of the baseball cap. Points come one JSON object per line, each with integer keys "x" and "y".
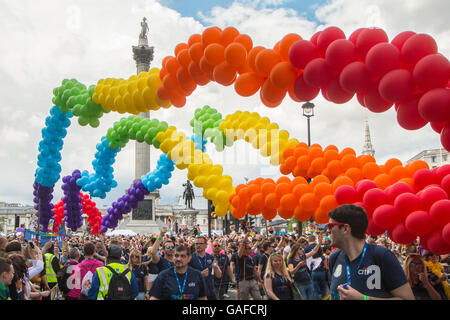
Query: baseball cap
{"x": 115, "y": 252}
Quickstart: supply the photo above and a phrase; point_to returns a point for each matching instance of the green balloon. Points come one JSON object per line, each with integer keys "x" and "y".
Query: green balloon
{"x": 140, "y": 136}
{"x": 156, "y": 143}
{"x": 94, "y": 122}
{"x": 83, "y": 121}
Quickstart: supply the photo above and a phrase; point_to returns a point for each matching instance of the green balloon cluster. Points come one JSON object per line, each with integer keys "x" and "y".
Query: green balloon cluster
{"x": 73, "y": 95}
{"x": 135, "y": 128}
{"x": 206, "y": 123}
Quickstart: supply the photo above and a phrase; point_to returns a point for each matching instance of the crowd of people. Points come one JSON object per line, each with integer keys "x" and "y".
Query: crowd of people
{"x": 338, "y": 262}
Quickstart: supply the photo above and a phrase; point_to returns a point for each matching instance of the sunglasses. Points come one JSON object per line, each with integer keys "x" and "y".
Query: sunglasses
{"x": 331, "y": 225}
{"x": 170, "y": 247}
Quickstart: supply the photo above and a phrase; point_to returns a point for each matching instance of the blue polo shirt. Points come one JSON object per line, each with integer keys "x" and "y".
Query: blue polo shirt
{"x": 201, "y": 264}
{"x": 224, "y": 263}
{"x": 166, "y": 286}
{"x": 378, "y": 274}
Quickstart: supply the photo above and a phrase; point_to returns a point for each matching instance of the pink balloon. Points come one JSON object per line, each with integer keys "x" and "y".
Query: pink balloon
{"x": 423, "y": 178}
{"x": 442, "y": 172}
{"x": 374, "y": 102}
{"x": 317, "y": 73}
{"x": 408, "y": 116}
{"x": 346, "y": 194}
{"x": 373, "y": 229}
{"x": 382, "y": 58}
{"x": 355, "y": 77}
{"x": 315, "y": 37}
{"x": 340, "y": 53}
{"x": 396, "y": 86}
{"x": 399, "y": 234}
{"x": 374, "y": 198}
{"x": 435, "y": 105}
{"x": 327, "y": 36}
{"x": 304, "y": 91}
{"x": 401, "y": 38}
{"x": 335, "y": 93}
{"x": 430, "y": 196}
{"x": 436, "y": 125}
{"x": 405, "y": 204}
{"x": 436, "y": 243}
{"x": 445, "y": 136}
{"x": 446, "y": 233}
{"x": 432, "y": 71}
{"x": 363, "y": 186}
{"x": 302, "y": 52}
{"x": 397, "y": 189}
{"x": 369, "y": 38}
{"x": 419, "y": 223}
{"x": 417, "y": 47}
{"x": 385, "y": 217}
{"x": 355, "y": 34}
{"x": 440, "y": 212}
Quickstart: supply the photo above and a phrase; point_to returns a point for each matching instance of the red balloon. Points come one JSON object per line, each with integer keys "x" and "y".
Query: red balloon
{"x": 382, "y": 58}
{"x": 302, "y": 52}
{"x": 340, "y": 53}
{"x": 335, "y": 93}
{"x": 435, "y": 105}
{"x": 317, "y": 73}
{"x": 360, "y": 98}
{"x": 432, "y": 71}
{"x": 436, "y": 243}
{"x": 400, "y": 39}
{"x": 385, "y": 217}
{"x": 326, "y": 37}
{"x": 369, "y": 38}
{"x": 441, "y": 172}
{"x": 431, "y": 195}
{"x": 408, "y": 115}
{"x": 360, "y": 204}
{"x": 397, "y": 189}
{"x": 405, "y": 204}
{"x": 363, "y": 186}
{"x": 374, "y": 198}
{"x": 374, "y": 102}
{"x": 373, "y": 229}
{"x": 315, "y": 37}
{"x": 399, "y": 234}
{"x": 436, "y": 125}
{"x": 423, "y": 178}
{"x": 446, "y": 233}
{"x": 419, "y": 223}
{"x": 304, "y": 91}
{"x": 346, "y": 194}
{"x": 355, "y": 77}
{"x": 445, "y": 136}
{"x": 417, "y": 47}
{"x": 355, "y": 34}
{"x": 396, "y": 86}
{"x": 440, "y": 212}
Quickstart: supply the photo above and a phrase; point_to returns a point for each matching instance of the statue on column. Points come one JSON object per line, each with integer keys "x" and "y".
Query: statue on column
{"x": 144, "y": 29}
{"x": 188, "y": 194}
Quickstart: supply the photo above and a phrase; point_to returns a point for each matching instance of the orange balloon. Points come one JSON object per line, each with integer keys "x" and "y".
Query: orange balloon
{"x": 288, "y": 152}
{"x": 328, "y": 203}
{"x": 283, "y": 188}
{"x": 224, "y": 73}
{"x": 187, "y": 87}
{"x": 272, "y": 201}
{"x": 318, "y": 179}
{"x": 298, "y": 180}
{"x": 170, "y": 81}
{"x": 269, "y": 214}
{"x": 194, "y": 39}
{"x": 207, "y": 68}
{"x": 309, "y": 202}
{"x": 285, "y": 214}
{"x": 290, "y": 163}
{"x": 320, "y": 216}
{"x": 196, "y": 51}
{"x": 347, "y": 151}
{"x": 300, "y": 151}
{"x": 408, "y": 181}
{"x": 341, "y": 181}
{"x": 330, "y": 155}
{"x": 317, "y": 166}
{"x": 251, "y": 57}
{"x": 370, "y": 170}
{"x": 292, "y": 94}
{"x": 269, "y": 104}
{"x": 162, "y": 73}
{"x": 283, "y": 180}
{"x": 283, "y": 75}
{"x": 245, "y": 40}
{"x": 363, "y": 159}
{"x": 197, "y": 74}
{"x": 172, "y": 65}
{"x": 322, "y": 189}
{"x": 335, "y": 168}
{"x": 183, "y": 75}
{"x": 301, "y": 215}
{"x": 179, "y": 47}
{"x": 257, "y": 201}
{"x": 383, "y": 181}
{"x": 248, "y": 84}
{"x": 266, "y": 60}
{"x": 271, "y": 93}
{"x": 211, "y": 35}
{"x": 276, "y": 47}
{"x": 236, "y": 54}
{"x": 243, "y": 195}
{"x": 355, "y": 174}
{"x": 398, "y": 172}
{"x": 183, "y": 57}
{"x": 164, "y": 61}
{"x": 267, "y": 188}
{"x": 244, "y": 68}
{"x": 288, "y": 202}
{"x": 236, "y": 201}
{"x": 299, "y": 190}
{"x": 303, "y": 162}
{"x": 258, "y": 181}
{"x": 391, "y": 163}
{"x": 228, "y": 35}
{"x": 299, "y": 172}
{"x": 349, "y": 161}
{"x": 163, "y": 93}
{"x": 331, "y": 147}
{"x": 253, "y": 189}
{"x": 214, "y": 54}
{"x": 315, "y": 152}
{"x": 238, "y": 214}
{"x": 414, "y": 166}
{"x": 177, "y": 99}
{"x": 286, "y": 43}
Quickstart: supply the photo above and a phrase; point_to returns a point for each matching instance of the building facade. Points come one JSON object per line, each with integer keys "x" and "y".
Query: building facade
{"x": 433, "y": 157}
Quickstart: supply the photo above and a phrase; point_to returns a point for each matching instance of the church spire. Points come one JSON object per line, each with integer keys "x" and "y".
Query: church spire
{"x": 368, "y": 148}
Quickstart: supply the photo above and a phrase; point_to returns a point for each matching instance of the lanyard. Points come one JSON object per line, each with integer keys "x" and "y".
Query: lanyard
{"x": 181, "y": 289}
{"x": 347, "y": 264}
{"x": 202, "y": 265}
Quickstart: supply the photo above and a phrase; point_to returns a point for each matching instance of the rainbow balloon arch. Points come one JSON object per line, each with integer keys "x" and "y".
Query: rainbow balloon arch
{"x": 407, "y": 201}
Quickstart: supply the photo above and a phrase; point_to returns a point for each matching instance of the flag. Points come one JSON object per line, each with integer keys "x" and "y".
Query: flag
{"x": 170, "y": 219}
{"x": 327, "y": 297}
{"x": 50, "y": 225}
{"x": 212, "y": 227}
{"x": 54, "y": 293}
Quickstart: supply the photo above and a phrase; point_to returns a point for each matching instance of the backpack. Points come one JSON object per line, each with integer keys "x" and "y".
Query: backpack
{"x": 119, "y": 287}
{"x": 63, "y": 276}
{"x": 87, "y": 280}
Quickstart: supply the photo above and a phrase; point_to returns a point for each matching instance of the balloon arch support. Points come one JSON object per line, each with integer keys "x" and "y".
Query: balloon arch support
{"x": 407, "y": 201}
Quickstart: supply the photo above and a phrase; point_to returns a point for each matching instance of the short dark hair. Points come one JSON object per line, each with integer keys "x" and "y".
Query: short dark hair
{"x": 88, "y": 249}
{"x": 13, "y": 246}
{"x": 182, "y": 249}
{"x": 266, "y": 245}
{"x": 5, "y": 265}
{"x": 355, "y": 216}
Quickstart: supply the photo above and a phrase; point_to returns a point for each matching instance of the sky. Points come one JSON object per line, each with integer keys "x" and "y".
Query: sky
{"x": 46, "y": 41}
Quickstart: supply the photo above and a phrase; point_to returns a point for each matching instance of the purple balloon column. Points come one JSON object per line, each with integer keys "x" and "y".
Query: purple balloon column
{"x": 72, "y": 200}
{"x": 44, "y": 196}
{"x": 124, "y": 205}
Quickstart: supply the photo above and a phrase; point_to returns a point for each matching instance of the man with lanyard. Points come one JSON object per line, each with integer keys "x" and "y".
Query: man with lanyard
{"x": 362, "y": 271}
{"x": 221, "y": 284}
{"x": 246, "y": 272}
{"x": 179, "y": 282}
{"x": 102, "y": 276}
{"x": 267, "y": 249}
{"x": 206, "y": 264}
{"x": 166, "y": 260}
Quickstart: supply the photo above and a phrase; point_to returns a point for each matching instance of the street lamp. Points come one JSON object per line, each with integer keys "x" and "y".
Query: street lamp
{"x": 308, "y": 112}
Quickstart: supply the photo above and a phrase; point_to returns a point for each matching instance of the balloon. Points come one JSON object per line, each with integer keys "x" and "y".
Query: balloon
{"x": 271, "y": 93}
{"x": 211, "y": 35}
{"x": 224, "y": 73}
{"x": 419, "y": 223}
{"x": 396, "y": 86}
{"x": 346, "y": 194}
{"x": 265, "y": 60}
{"x": 272, "y": 201}
{"x": 446, "y": 233}
{"x": 228, "y": 35}
{"x": 373, "y": 198}
{"x": 396, "y": 190}
{"x": 385, "y": 217}
{"x": 245, "y": 40}
{"x": 437, "y": 126}
{"x": 399, "y": 234}
{"x": 317, "y": 73}
{"x": 408, "y": 115}
{"x": 382, "y": 58}
{"x": 340, "y": 53}
{"x": 445, "y": 137}
{"x": 431, "y": 195}
{"x": 439, "y": 212}
{"x": 367, "y": 39}
{"x": 434, "y": 105}
{"x": 400, "y": 39}
{"x": 373, "y": 229}
{"x": 355, "y": 77}
{"x": 283, "y": 75}
{"x": 355, "y": 34}
{"x": 405, "y": 204}
{"x": 436, "y": 243}
{"x": 248, "y": 84}
{"x": 286, "y": 43}
{"x": 269, "y": 214}
{"x": 303, "y": 91}
{"x": 417, "y": 47}
{"x": 335, "y": 93}
{"x": 251, "y": 57}
{"x": 328, "y": 36}
{"x": 432, "y": 71}
{"x": 236, "y": 54}
{"x": 301, "y": 53}
{"x": 423, "y": 178}
{"x": 374, "y": 102}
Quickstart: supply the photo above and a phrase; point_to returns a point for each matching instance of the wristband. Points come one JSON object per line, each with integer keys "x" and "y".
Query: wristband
{"x": 159, "y": 238}
{"x": 366, "y": 297}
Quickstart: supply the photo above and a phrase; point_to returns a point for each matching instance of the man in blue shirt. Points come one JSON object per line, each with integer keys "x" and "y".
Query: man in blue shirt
{"x": 362, "y": 271}
{"x": 167, "y": 261}
{"x": 221, "y": 284}
{"x": 179, "y": 282}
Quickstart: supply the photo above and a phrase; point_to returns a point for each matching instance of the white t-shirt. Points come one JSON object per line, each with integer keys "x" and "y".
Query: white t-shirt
{"x": 33, "y": 271}
{"x": 287, "y": 249}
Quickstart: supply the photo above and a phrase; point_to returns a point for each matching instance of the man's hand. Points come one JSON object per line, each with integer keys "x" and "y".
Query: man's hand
{"x": 205, "y": 272}
{"x": 348, "y": 293}
{"x": 163, "y": 231}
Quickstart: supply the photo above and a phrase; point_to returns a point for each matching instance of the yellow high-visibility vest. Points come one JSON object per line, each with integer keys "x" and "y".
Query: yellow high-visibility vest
{"x": 50, "y": 274}
{"x": 105, "y": 275}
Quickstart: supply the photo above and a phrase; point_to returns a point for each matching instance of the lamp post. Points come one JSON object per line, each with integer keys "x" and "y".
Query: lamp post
{"x": 308, "y": 112}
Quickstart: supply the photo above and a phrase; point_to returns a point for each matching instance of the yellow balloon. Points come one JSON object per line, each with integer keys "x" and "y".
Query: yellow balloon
{"x": 142, "y": 83}
{"x": 204, "y": 169}
{"x": 212, "y": 180}
{"x": 138, "y": 100}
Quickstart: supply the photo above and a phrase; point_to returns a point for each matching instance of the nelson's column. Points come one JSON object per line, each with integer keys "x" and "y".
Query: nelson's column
{"x": 143, "y": 218}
